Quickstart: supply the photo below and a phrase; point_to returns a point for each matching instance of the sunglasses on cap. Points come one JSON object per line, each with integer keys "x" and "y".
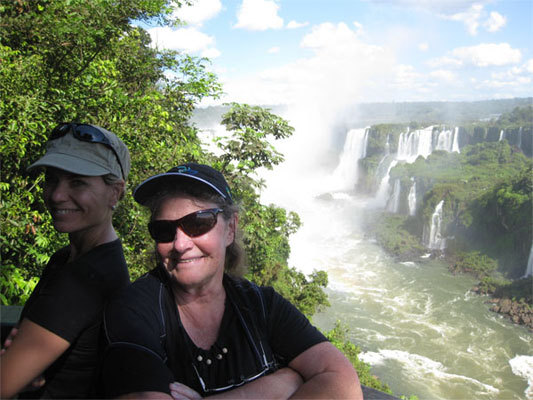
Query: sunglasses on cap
{"x": 193, "y": 224}
{"x": 85, "y": 133}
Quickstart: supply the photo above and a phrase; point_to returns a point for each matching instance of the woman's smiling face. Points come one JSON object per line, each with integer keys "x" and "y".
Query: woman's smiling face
{"x": 78, "y": 203}
{"x": 194, "y": 262}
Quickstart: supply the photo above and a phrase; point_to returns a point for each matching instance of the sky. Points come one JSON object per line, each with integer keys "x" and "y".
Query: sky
{"x": 359, "y": 51}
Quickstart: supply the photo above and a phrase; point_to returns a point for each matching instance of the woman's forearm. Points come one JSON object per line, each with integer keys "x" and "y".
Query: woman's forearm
{"x": 278, "y": 385}
{"x": 330, "y": 385}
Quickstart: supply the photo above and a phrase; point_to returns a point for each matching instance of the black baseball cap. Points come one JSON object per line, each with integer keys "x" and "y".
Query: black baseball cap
{"x": 172, "y": 178}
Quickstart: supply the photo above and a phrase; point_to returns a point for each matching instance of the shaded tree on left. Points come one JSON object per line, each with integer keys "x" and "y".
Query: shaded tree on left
{"x": 80, "y": 60}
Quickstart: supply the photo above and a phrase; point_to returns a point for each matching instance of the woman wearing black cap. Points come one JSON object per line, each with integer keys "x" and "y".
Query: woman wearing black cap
{"x": 59, "y": 330}
{"x": 192, "y": 327}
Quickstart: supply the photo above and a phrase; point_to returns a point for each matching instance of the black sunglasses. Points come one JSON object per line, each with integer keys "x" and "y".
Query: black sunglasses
{"x": 85, "y": 133}
{"x": 193, "y": 224}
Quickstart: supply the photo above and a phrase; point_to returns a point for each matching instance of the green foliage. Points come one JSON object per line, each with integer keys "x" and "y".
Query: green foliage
{"x": 518, "y": 117}
{"x": 60, "y": 64}
{"x": 475, "y": 263}
{"x": 489, "y": 284}
{"x": 487, "y": 193}
{"x": 338, "y": 337}
{"x": 266, "y": 229}
{"x": 396, "y": 233}
{"x": 381, "y": 134}
{"x": 517, "y": 290}
{"x": 248, "y": 147}
{"x": 110, "y": 76}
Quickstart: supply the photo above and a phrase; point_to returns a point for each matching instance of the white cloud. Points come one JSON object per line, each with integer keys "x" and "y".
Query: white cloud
{"x": 495, "y": 22}
{"x": 446, "y": 7}
{"x": 258, "y": 15}
{"x": 295, "y": 25}
{"x": 496, "y": 83}
{"x": 488, "y": 54}
{"x": 515, "y": 73}
{"x": 470, "y": 18}
{"x": 358, "y": 28}
{"x": 210, "y": 53}
{"x": 189, "y": 40}
{"x": 444, "y": 61}
{"x": 198, "y": 12}
{"x": 423, "y": 46}
{"x": 405, "y": 76}
{"x": 529, "y": 65}
{"x": 443, "y": 75}
{"x": 339, "y": 72}
{"x": 482, "y": 55}
{"x": 273, "y": 50}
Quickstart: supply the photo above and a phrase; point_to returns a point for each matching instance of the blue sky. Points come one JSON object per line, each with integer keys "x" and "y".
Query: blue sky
{"x": 338, "y": 51}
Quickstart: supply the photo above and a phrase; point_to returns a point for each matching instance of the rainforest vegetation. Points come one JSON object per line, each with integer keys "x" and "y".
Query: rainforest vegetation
{"x": 487, "y": 190}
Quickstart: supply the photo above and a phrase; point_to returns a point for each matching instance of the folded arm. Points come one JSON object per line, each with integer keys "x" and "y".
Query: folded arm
{"x": 326, "y": 373}
{"x": 31, "y": 351}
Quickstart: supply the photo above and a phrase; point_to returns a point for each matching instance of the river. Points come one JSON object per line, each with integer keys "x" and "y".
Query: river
{"x": 419, "y": 327}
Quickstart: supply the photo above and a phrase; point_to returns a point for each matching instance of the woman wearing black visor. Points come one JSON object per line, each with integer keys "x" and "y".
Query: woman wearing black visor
{"x": 193, "y": 327}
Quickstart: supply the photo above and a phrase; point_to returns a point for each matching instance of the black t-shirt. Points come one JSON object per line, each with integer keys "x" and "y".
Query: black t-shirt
{"x": 149, "y": 348}
{"x": 69, "y": 301}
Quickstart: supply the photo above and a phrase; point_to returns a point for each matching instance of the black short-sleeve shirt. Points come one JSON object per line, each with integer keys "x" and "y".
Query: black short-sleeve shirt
{"x": 69, "y": 301}
{"x": 149, "y": 348}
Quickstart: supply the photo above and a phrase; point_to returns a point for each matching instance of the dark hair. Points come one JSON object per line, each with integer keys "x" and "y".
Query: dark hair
{"x": 234, "y": 261}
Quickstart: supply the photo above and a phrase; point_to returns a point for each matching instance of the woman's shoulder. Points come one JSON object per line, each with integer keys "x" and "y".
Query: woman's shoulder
{"x": 146, "y": 288}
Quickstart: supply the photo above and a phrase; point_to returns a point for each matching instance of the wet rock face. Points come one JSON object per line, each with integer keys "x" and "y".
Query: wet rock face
{"x": 518, "y": 312}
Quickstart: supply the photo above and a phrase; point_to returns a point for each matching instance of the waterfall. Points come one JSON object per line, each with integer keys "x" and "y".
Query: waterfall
{"x": 433, "y": 239}
{"x": 519, "y": 144}
{"x": 502, "y": 135}
{"x": 346, "y": 174}
{"x": 393, "y": 204}
{"x": 455, "y": 144}
{"x": 529, "y": 268}
{"x": 383, "y": 190}
{"x": 445, "y": 141}
{"x": 411, "y": 199}
{"x": 414, "y": 144}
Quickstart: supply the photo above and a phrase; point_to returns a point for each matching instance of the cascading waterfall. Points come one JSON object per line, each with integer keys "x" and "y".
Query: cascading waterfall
{"x": 529, "y": 268}
{"x": 411, "y": 199}
{"x": 411, "y": 145}
{"x": 448, "y": 140}
{"x": 432, "y": 237}
{"x": 393, "y": 205}
{"x": 414, "y": 144}
{"x": 444, "y": 140}
{"x": 345, "y": 175}
{"x": 502, "y": 135}
{"x": 382, "y": 194}
{"x": 455, "y": 144}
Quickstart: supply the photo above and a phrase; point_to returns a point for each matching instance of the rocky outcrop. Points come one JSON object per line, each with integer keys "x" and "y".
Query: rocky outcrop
{"x": 519, "y": 312}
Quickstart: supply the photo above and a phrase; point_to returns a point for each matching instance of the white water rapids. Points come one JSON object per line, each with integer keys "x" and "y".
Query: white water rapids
{"x": 418, "y": 326}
